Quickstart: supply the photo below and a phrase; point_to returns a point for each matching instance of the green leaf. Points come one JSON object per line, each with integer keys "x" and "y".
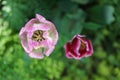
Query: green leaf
{"x": 81, "y": 1}
{"x": 77, "y": 29}
{"x": 102, "y": 14}
{"x": 72, "y": 23}
{"x": 91, "y": 26}
{"x": 65, "y": 5}
{"x": 79, "y": 15}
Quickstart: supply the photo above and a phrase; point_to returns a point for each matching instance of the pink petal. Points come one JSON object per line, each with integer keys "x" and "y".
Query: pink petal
{"x": 40, "y": 56}
{"x": 68, "y": 55}
{"x": 36, "y": 53}
{"x": 80, "y": 36}
{"x": 23, "y": 37}
{"x": 32, "y": 44}
{"x": 75, "y": 44}
{"x": 35, "y": 27}
{"x": 49, "y": 50}
{"x": 25, "y": 44}
{"x": 40, "y": 18}
{"x": 30, "y": 23}
{"x": 69, "y": 51}
{"x": 89, "y": 48}
{"x": 22, "y": 31}
{"x": 43, "y": 27}
{"x": 66, "y": 46}
{"x": 52, "y": 32}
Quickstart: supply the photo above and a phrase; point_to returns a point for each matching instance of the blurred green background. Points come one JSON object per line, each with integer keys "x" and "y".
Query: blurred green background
{"x": 99, "y": 20}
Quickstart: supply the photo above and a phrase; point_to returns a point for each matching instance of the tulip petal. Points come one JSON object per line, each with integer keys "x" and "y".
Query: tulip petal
{"x": 89, "y": 48}
{"x": 68, "y": 54}
{"x": 22, "y": 31}
{"x": 30, "y": 23}
{"x": 49, "y": 50}
{"x": 40, "y": 18}
{"x": 25, "y": 46}
{"x": 70, "y": 51}
{"x": 52, "y": 32}
{"x": 75, "y": 44}
{"x": 37, "y": 53}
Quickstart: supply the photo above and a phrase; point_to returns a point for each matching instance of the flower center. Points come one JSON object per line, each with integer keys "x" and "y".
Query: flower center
{"x": 82, "y": 46}
{"x": 38, "y": 35}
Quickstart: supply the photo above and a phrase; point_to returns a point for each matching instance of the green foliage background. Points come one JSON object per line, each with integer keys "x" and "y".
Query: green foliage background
{"x": 99, "y": 20}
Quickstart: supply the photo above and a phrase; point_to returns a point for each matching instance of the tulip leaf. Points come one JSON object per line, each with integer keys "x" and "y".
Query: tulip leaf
{"x": 78, "y": 15}
{"x": 102, "y": 14}
{"x": 91, "y": 26}
{"x": 81, "y": 1}
{"x": 77, "y": 29}
{"x": 65, "y": 5}
{"x": 72, "y": 23}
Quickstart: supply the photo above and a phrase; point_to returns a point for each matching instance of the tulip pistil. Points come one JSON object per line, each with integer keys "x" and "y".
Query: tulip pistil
{"x": 38, "y": 35}
{"x": 82, "y": 46}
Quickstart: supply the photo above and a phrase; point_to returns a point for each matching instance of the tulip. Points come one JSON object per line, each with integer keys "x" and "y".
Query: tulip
{"x": 38, "y": 37}
{"x": 78, "y": 47}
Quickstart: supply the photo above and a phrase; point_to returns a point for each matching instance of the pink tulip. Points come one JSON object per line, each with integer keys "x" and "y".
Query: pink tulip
{"x": 78, "y": 47}
{"x": 38, "y": 37}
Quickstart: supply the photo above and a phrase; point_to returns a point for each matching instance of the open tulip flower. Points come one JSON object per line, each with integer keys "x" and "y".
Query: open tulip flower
{"x": 38, "y": 37}
{"x": 78, "y": 47}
